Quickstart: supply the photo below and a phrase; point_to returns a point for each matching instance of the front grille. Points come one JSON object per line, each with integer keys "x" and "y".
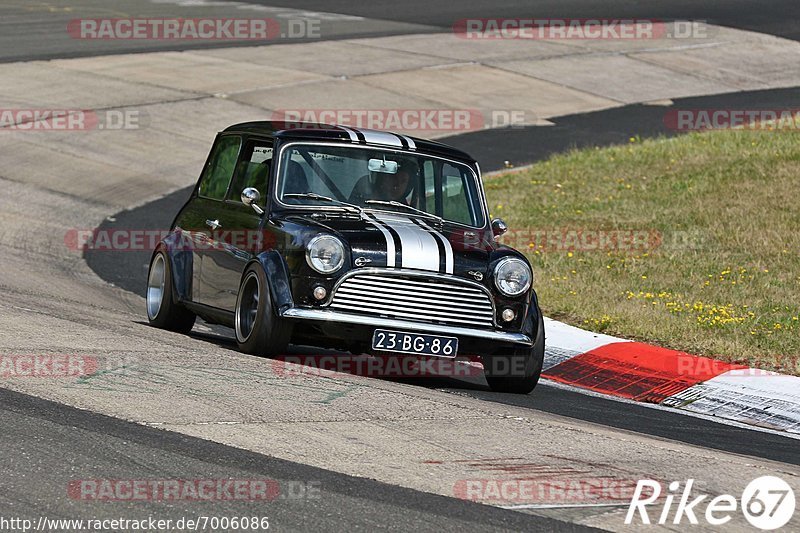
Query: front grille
{"x": 423, "y": 299}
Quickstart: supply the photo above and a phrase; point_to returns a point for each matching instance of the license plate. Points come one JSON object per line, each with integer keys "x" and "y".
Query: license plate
{"x": 414, "y": 343}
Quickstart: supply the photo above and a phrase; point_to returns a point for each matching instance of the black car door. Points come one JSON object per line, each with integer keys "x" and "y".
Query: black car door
{"x": 238, "y": 236}
{"x": 206, "y": 210}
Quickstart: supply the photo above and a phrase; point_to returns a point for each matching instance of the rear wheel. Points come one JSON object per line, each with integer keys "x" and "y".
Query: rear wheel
{"x": 162, "y": 309}
{"x": 519, "y": 371}
{"x": 259, "y": 330}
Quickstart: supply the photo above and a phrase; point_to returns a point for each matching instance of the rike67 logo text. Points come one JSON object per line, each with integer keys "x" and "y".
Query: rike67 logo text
{"x": 767, "y": 503}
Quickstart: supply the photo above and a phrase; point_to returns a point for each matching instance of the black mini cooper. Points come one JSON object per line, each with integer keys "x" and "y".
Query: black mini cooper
{"x": 354, "y": 239}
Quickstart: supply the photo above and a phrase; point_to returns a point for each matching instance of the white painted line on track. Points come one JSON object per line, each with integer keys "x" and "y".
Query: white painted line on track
{"x": 557, "y": 506}
{"x": 546, "y": 382}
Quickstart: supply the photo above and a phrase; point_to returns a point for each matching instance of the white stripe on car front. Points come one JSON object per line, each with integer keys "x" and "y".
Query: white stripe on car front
{"x": 448, "y": 248}
{"x": 418, "y": 247}
{"x": 391, "y": 251}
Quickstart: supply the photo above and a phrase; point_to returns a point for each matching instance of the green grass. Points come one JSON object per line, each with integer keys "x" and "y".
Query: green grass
{"x": 720, "y": 273}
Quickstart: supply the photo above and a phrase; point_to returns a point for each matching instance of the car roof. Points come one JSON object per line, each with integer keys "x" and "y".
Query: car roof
{"x": 327, "y": 132}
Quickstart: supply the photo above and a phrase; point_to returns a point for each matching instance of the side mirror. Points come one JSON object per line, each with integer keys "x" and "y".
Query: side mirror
{"x": 250, "y": 198}
{"x": 498, "y": 227}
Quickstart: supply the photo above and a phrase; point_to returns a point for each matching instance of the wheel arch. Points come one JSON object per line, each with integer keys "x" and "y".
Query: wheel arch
{"x": 278, "y": 279}
{"x": 533, "y": 321}
{"x": 181, "y": 263}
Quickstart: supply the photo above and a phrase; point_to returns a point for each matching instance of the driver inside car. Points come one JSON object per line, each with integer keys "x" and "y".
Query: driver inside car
{"x": 398, "y": 187}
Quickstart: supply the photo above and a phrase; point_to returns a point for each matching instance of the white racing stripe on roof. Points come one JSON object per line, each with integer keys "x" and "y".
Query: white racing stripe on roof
{"x": 411, "y": 144}
{"x": 381, "y": 137}
{"x": 351, "y": 133}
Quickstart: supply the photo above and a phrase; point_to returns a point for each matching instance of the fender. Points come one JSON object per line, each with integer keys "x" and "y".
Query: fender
{"x": 277, "y": 272}
{"x": 533, "y": 325}
{"x": 181, "y": 264}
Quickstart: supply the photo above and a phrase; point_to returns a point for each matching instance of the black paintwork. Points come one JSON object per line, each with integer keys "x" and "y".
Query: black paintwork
{"x": 327, "y": 132}
{"x": 211, "y": 290}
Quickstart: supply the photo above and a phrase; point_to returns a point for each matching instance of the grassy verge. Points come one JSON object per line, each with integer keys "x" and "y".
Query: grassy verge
{"x": 691, "y": 243}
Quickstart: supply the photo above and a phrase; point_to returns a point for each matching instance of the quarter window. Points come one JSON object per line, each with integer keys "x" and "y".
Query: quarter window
{"x": 219, "y": 170}
{"x": 253, "y": 169}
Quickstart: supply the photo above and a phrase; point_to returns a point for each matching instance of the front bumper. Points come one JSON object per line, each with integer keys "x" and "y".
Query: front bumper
{"x": 327, "y": 315}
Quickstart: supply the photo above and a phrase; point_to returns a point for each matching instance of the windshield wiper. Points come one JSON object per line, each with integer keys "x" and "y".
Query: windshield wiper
{"x": 321, "y": 198}
{"x": 395, "y": 203}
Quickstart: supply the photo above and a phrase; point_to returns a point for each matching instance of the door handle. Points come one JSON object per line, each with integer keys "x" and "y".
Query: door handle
{"x": 213, "y": 224}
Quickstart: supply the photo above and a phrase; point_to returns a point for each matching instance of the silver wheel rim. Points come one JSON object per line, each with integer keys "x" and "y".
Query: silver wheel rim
{"x": 247, "y": 307}
{"x": 155, "y": 286}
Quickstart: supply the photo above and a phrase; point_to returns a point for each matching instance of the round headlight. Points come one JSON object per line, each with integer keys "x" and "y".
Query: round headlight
{"x": 512, "y": 276}
{"x": 325, "y": 254}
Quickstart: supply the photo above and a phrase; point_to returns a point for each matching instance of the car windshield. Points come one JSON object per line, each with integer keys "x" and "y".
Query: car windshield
{"x": 369, "y": 178}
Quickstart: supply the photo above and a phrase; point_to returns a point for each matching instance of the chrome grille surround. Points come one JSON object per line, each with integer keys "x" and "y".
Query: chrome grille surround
{"x": 425, "y": 297}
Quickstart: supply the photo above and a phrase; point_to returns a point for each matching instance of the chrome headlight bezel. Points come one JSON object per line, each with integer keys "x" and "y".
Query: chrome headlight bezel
{"x": 314, "y": 261}
{"x": 512, "y": 262}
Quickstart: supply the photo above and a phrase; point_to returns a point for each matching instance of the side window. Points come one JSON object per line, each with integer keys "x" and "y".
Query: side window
{"x": 219, "y": 170}
{"x": 456, "y": 202}
{"x": 253, "y": 170}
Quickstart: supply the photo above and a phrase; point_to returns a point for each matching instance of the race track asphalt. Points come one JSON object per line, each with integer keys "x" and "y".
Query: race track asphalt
{"x": 775, "y": 17}
{"x": 65, "y": 446}
{"x": 37, "y": 31}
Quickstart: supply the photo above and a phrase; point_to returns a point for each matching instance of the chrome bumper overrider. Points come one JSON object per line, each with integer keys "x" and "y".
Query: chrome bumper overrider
{"x": 336, "y": 316}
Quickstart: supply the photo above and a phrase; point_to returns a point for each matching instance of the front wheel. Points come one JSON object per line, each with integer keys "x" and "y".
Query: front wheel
{"x": 519, "y": 371}
{"x": 259, "y": 331}
{"x": 162, "y": 309}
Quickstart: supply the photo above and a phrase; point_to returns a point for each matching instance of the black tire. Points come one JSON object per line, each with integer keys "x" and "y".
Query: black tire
{"x": 519, "y": 371}
{"x": 162, "y": 309}
{"x": 259, "y": 331}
